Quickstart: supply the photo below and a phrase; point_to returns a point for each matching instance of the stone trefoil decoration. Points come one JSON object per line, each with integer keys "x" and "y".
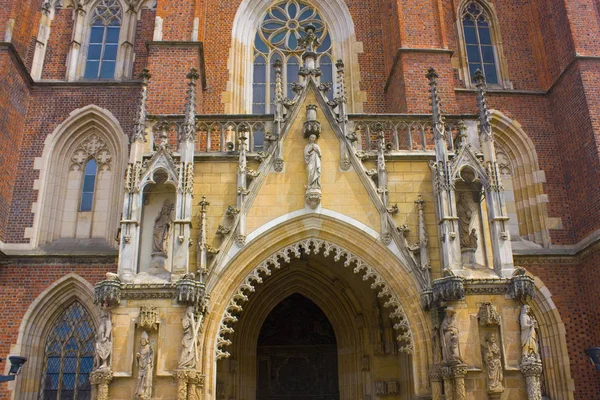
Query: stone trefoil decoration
{"x": 145, "y": 363}
{"x": 92, "y": 147}
{"x": 148, "y": 318}
{"x": 312, "y": 157}
{"x": 531, "y": 363}
{"x": 493, "y": 362}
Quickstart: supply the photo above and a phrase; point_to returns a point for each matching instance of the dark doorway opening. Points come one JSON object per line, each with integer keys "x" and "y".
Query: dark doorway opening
{"x": 297, "y": 353}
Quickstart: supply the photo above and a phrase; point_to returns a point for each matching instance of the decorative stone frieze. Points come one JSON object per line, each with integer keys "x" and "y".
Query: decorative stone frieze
{"x": 314, "y": 246}
{"x": 522, "y": 286}
{"x": 449, "y": 288}
{"x": 488, "y": 315}
{"x": 190, "y": 291}
{"x": 149, "y": 317}
{"x": 108, "y": 291}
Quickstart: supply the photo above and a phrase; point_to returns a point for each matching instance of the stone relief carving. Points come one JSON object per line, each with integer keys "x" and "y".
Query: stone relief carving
{"x": 102, "y": 359}
{"x": 449, "y": 338}
{"x": 145, "y": 364}
{"x": 493, "y": 362}
{"x": 529, "y": 335}
{"x": 162, "y": 226}
{"x": 148, "y": 318}
{"x": 315, "y": 246}
{"x": 312, "y": 157}
{"x": 488, "y": 314}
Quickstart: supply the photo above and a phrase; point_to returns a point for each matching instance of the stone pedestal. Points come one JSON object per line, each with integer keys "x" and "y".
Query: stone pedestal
{"x": 157, "y": 266}
{"x": 468, "y": 256}
{"x": 435, "y": 376}
{"x": 454, "y": 381}
{"x": 189, "y": 383}
{"x": 101, "y": 378}
{"x": 532, "y": 371}
{"x": 313, "y": 197}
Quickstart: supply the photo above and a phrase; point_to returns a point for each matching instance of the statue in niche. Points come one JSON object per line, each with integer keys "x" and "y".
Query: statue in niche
{"x": 468, "y": 235}
{"x": 145, "y": 363}
{"x": 162, "y": 225}
{"x": 191, "y": 327}
{"x": 449, "y": 338}
{"x": 312, "y": 157}
{"x": 529, "y": 335}
{"x": 493, "y": 362}
{"x": 103, "y": 340}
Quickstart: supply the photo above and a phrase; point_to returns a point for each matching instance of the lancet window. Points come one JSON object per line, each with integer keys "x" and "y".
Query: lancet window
{"x": 104, "y": 40}
{"x": 278, "y": 38}
{"x": 89, "y": 184}
{"x": 479, "y": 42}
{"x": 69, "y": 356}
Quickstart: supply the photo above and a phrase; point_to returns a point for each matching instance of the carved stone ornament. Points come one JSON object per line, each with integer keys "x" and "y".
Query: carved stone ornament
{"x": 522, "y": 286}
{"x": 92, "y": 147}
{"x": 532, "y": 371}
{"x": 529, "y": 336}
{"x": 103, "y": 356}
{"x": 148, "y": 318}
{"x": 278, "y": 164}
{"x": 312, "y": 158}
{"x": 145, "y": 362}
{"x": 162, "y": 226}
{"x": 101, "y": 378}
{"x": 449, "y": 288}
{"x": 311, "y": 125}
{"x": 488, "y": 315}
{"x": 449, "y": 339}
{"x": 190, "y": 291}
{"x": 108, "y": 291}
{"x": 314, "y": 246}
{"x": 191, "y": 323}
{"x": 189, "y": 382}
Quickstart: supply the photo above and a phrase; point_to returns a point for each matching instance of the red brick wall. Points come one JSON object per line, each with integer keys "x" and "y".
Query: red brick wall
{"x": 21, "y": 284}
{"x": 144, "y": 33}
{"x": 13, "y": 105}
{"x": 569, "y": 284}
{"x": 57, "y": 50}
{"x": 48, "y": 107}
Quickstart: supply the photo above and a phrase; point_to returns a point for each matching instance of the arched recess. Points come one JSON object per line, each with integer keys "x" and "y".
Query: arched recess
{"x": 555, "y": 355}
{"x": 88, "y": 132}
{"x": 238, "y": 94}
{"x": 360, "y": 250}
{"x": 37, "y": 322}
{"x": 527, "y": 178}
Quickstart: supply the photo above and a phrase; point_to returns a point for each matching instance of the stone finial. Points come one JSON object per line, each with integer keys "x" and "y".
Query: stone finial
{"x": 278, "y": 65}
{"x": 189, "y": 127}
{"x": 139, "y": 129}
{"x": 436, "y": 105}
{"x": 485, "y": 127}
{"x": 479, "y": 79}
{"x": 311, "y": 125}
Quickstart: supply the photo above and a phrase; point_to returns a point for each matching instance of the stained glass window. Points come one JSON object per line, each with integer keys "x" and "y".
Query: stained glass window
{"x": 104, "y": 40}
{"x": 88, "y": 186}
{"x": 69, "y": 356}
{"x": 478, "y": 41}
{"x": 278, "y": 39}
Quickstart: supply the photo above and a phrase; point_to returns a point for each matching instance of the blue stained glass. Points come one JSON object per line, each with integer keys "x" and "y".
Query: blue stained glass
{"x": 470, "y": 35}
{"x": 112, "y": 34}
{"x": 491, "y": 77}
{"x": 91, "y": 69}
{"x": 292, "y": 42}
{"x": 97, "y": 34}
{"x": 278, "y": 13}
{"x": 305, "y": 14}
{"x": 259, "y": 45}
{"x": 292, "y": 10}
{"x": 473, "y": 68}
{"x": 94, "y": 52}
{"x": 259, "y": 69}
{"x": 53, "y": 365}
{"x": 259, "y": 93}
{"x": 488, "y": 54}
{"x": 259, "y": 140}
{"x": 473, "y": 54}
{"x": 484, "y": 35}
{"x": 86, "y": 364}
{"x": 108, "y": 70}
{"x": 325, "y": 45}
{"x": 110, "y": 52}
{"x": 258, "y": 108}
{"x": 279, "y": 37}
{"x": 468, "y": 22}
{"x": 69, "y": 365}
{"x": 273, "y": 25}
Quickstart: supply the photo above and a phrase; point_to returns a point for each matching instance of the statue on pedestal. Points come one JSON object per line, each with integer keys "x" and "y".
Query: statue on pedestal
{"x": 468, "y": 235}
{"x": 191, "y": 327}
{"x": 145, "y": 363}
{"x": 103, "y": 341}
{"x": 162, "y": 225}
{"x": 312, "y": 157}
{"x": 449, "y": 338}
{"x": 529, "y": 335}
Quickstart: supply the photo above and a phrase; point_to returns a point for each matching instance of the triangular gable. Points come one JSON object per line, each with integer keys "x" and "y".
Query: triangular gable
{"x": 466, "y": 158}
{"x": 161, "y": 160}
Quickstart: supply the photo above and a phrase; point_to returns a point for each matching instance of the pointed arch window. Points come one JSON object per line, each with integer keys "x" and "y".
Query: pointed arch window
{"x": 69, "y": 356}
{"x": 104, "y": 40}
{"x": 89, "y": 185}
{"x": 278, "y": 38}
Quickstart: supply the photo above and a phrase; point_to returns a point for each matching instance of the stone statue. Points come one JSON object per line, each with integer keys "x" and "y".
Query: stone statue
{"x": 191, "y": 327}
{"x": 312, "y": 157}
{"x": 529, "y": 335}
{"x": 468, "y": 238}
{"x": 162, "y": 224}
{"x": 310, "y": 42}
{"x": 449, "y": 338}
{"x": 145, "y": 363}
{"x": 103, "y": 340}
{"x": 435, "y": 344}
{"x": 493, "y": 362}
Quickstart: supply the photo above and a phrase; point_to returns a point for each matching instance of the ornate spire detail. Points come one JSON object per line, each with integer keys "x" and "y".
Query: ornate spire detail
{"x": 485, "y": 128}
{"x": 436, "y": 105}
{"x": 423, "y": 241}
{"x": 139, "y": 129}
{"x": 310, "y": 42}
{"x": 202, "y": 245}
{"x": 189, "y": 127}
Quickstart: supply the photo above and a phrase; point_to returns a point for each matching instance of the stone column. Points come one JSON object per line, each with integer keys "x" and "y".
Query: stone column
{"x": 189, "y": 382}
{"x": 182, "y": 384}
{"x": 435, "y": 376}
{"x": 101, "y": 378}
{"x": 458, "y": 373}
{"x": 448, "y": 383}
{"x": 532, "y": 371}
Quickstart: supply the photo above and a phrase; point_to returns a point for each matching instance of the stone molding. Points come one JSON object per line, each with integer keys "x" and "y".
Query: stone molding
{"x": 314, "y": 246}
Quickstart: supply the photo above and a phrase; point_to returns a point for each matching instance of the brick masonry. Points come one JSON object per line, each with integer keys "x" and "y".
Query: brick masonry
{"x": 555, "y": 100}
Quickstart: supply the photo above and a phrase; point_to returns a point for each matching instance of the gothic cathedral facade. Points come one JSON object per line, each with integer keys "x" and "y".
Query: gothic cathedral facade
{"x": 300, "y": 199}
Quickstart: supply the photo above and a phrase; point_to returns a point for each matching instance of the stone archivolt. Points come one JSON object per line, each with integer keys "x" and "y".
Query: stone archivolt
{"x": 314, "y": 246}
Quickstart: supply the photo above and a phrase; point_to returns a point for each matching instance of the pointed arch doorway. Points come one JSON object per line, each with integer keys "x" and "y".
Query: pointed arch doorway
{"x": 297, "y": 353}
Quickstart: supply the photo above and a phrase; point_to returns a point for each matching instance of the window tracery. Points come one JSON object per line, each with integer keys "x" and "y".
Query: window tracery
{"x": 69, "y": 356}
{"x": 478, "y": 41}
{"x": 279, "y": 37}
{"x": 104, "y": 40}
